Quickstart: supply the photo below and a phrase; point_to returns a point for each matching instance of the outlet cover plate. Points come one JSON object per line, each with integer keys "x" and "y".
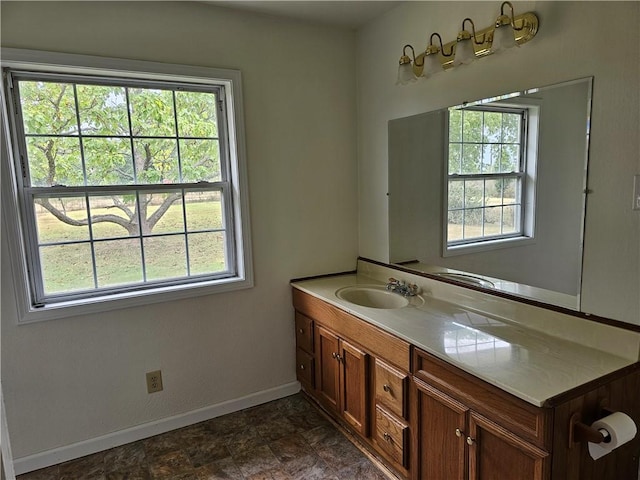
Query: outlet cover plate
{"x": 154, "y": 381}
{"x": 636, "y": 192}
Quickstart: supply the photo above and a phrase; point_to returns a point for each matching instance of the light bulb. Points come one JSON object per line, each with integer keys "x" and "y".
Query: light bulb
{"x": 405, "y": 74}
{"x": 503, "y": 38}
{"x": 464, "y": 52}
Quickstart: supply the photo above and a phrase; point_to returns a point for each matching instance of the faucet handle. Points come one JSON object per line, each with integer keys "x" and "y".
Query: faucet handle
{"x": 393, "y": 280}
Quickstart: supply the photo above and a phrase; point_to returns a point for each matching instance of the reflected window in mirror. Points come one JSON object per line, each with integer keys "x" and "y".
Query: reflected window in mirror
{"x": 490, "y": 169}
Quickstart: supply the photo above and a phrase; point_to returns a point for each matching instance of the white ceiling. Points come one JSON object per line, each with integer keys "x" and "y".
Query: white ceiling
{"x": 343, "y": 14}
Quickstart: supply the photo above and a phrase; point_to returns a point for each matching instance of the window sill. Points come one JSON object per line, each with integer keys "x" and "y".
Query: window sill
{"x": 100, "y": 304}
{"x": 452, "y": 251}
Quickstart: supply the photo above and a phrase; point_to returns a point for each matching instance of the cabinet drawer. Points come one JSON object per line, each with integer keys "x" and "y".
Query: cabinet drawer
{"x": 304, "y": 367}
{"x": 391, "y": 435}
{"x": 304, "y": 333}
{"x": 391, "y": 387}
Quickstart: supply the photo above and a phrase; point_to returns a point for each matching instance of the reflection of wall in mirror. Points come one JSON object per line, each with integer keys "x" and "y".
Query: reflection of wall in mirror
{"x": 416, "y": 176}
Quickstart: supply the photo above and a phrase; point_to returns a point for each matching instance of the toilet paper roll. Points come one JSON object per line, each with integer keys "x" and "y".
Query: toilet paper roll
{"x": 621, "y": 428}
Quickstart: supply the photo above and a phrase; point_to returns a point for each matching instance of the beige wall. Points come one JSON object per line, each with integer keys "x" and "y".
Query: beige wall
{"x": 570, "y": 44}
{"x": 74, "y": 379}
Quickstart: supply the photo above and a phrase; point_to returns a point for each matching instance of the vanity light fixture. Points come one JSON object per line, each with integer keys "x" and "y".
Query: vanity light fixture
{"x": 508, "y": 31}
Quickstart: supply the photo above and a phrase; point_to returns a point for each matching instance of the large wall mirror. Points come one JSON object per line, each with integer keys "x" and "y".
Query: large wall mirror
{"x": 492, "y": 193}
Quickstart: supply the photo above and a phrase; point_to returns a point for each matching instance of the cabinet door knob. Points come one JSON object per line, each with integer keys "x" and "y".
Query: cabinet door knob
{"x": 387, "y": 437}
{"x": 334, "y": 354}
{"x": 470, "y": 441}
{"x": 301, "y": 330}
{"x": 338, "y": 357}
{"x": 386, "y": 388}
{"x": 301, "y": 367}
{"x": 459, "y": 432}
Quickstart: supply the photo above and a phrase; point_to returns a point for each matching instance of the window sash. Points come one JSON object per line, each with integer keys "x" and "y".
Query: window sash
{"x": 27, "y": 193}
{"x": 519, "y": 175}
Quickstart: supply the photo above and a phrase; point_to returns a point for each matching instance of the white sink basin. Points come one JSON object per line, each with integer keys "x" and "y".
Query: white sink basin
{"x": 372, "y": 296}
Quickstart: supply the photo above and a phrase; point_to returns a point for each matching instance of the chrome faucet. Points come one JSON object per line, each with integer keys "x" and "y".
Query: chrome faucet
{"x": 402, "y": 288}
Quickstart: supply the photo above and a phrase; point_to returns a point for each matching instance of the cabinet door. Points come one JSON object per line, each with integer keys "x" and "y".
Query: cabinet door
{"x": 440, "y": 436}
{"x": 327, "y": 368}
{"x": 354, "y": 376}
{"x": 497, "y": 453}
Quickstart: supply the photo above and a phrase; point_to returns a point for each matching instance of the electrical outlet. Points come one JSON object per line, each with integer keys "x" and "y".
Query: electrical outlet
{"x": 154, "y": 381}
{"x": 636, "y": 192}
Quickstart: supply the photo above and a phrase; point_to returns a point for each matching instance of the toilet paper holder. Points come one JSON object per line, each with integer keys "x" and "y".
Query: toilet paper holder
{"x": 581, "y": 432}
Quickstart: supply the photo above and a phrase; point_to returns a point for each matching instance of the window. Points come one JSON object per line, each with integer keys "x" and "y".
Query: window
{"x": 486, "y": 177}
{"x": 125, "y": 185}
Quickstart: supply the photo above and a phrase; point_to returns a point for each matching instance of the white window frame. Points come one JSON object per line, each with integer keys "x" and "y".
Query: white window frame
{"x": 528, "y": 210}
{"x": 13, "y": 226}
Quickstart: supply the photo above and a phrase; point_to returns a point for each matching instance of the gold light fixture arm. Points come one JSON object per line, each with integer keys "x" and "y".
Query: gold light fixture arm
{"x": 473, "y": 33}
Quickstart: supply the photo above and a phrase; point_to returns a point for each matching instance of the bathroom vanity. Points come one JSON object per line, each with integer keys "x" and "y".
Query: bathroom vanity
{"x": 456, "y": 384}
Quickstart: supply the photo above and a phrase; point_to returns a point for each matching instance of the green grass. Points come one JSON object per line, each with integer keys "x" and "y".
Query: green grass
{"x": 119, "y": 260}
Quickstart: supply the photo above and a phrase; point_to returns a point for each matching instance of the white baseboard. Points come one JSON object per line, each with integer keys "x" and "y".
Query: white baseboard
{"x": 133, "y": 434}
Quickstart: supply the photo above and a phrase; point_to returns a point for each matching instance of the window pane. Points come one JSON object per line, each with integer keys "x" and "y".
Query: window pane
{"x": 510, "y": 219}
{"x": 165, "y": 257}
{"x": 162, "y": 212}
{"x": 510, "y": 161}
{"x": 473, "y": 223}
{"x": 455, "y": 158}
{"x": 493, "y": 192}
{"x": 66, "y": 268}
{"x": 490, "y": 158}
{"x": 472, "y": 126}
{"x": 473, "y": 193}
{"x": 152, "y": 112}
{"x": 54, "y": 161}
{"x": 455, "y": 125}
{"x": 511, "y": 128}
{"x": 59, "y": 219}
{"x": 471, "y": 158}
{"x": 118, "y": 262}
{"x": 454, "y": 227}
{"x": 207, "y": 253}
{"x": 108, "y": 161}
{"x": 196, "y": 114}
{"x": 156, "y": 161}
{"x": 48, "y": 108}
{"x": 200, "y": 160}
{"x": 492, "y": 127}
{"x": 204, "y": 211}
{"x": 456, "y": 194}
{"x": 510, "y": 191}
{"x": 113, "y": 216}
{"x": 103, "y": 110}
{"x": 492, "y": 221}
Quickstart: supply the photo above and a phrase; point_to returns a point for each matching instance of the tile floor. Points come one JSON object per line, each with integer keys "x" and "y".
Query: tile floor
{"x": 285, "y": 439}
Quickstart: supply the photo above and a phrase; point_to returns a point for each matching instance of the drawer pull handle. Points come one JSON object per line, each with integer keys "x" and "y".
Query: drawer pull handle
{"x": 387, "y": 437}
{"x": 470, "y": 441}
{"x": 386, "y": 388}
{"x": 459, "y": 432}
{"x": 301, "y": 367}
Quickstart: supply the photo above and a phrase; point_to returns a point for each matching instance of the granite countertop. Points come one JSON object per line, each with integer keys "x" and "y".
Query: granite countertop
{"x": 529, "y": 364}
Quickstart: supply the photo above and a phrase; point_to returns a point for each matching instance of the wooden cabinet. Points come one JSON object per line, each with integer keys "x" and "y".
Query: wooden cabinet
{"x": 429, "y": 420}
{"x": 305, "y": 361}
{"x": 497, "y": 453}
{"x": 342, "y": 373}
{"x": 361, "y": 376}
{"x": 456, "y": 443}
{"x": 391, "y": 415}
